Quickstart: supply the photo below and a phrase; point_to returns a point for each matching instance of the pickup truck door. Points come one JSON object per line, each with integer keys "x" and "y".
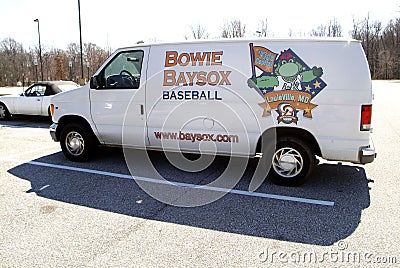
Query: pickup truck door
{"x": 117, "y": 97}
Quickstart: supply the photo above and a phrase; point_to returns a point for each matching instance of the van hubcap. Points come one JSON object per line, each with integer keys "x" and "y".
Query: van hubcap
{"x": 75, "y": 143}
{"x": 287, "y": 162}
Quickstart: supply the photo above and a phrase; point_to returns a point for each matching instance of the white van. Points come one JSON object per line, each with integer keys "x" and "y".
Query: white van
{"x": 223, "y": 97}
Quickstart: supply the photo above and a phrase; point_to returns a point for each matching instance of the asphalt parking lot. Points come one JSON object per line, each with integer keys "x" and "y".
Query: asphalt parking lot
{"x": 58, "y": 213}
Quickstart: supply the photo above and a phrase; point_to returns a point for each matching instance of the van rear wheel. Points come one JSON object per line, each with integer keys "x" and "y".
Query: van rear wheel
{"x": 77, "y": 143}
{"x": 292, "y": 162}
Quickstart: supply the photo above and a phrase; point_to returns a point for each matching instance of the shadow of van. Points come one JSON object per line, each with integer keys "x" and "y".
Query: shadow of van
{"x": 347, "y": 186}
{"x": 28, "y": 121}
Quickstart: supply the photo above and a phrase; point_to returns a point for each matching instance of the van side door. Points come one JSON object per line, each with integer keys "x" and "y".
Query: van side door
{"x": 198, "y": 100}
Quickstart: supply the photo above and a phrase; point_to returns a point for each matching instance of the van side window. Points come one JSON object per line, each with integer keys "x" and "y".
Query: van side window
{"x": 124, "y": 70}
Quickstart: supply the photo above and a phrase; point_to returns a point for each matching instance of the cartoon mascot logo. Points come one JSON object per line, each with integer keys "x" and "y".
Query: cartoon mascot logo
{"x": 285, "y": 82}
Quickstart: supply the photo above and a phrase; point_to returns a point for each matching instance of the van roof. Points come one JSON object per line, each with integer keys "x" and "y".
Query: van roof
{"x": 246, "y": 40}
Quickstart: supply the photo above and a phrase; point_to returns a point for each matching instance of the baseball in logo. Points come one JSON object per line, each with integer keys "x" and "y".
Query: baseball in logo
{"x": 287, "y": 113}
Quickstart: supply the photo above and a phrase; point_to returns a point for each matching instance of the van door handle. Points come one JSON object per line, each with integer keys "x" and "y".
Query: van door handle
{"x": 141, "y": 109}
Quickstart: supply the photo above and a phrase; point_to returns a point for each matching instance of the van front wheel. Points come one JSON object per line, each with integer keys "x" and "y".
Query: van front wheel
{"x": 292, "y": 162}
{"x": 77, "y": 143}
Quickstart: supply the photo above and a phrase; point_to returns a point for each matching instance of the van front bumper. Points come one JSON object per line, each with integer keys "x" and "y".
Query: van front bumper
{"x": 53, "y": 131}
{"x": 368, "y": 154}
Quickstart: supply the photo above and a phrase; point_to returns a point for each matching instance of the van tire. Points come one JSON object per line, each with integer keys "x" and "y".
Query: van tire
{"x": 4, "y": 113}
{"x": 292, "y": 162}
{"x": 77, "y": 143}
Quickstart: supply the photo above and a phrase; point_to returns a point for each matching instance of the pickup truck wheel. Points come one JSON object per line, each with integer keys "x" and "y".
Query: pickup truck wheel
{"x": 4, "y": 113}
{"x": 292, "y": 162}
{"x": 77, "y": 143}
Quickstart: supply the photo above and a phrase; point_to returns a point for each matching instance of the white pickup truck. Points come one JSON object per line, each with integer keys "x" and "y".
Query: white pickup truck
{"x": 224, "y": 97}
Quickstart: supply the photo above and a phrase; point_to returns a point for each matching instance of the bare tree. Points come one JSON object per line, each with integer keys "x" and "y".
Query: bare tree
{"x": 95, "y": 56}
{"x": 17, "y": 65}
{"x": 60, "y": 65}
{"x": 381, "y": 45}
{"x": 369, "y": 32}
{"x": 319, "y": 31}
{"x": 73, "y": 54}
{"x": 332, "y": 29}
{"x": 197, "y": 32}
{"x": 263, "y": 28}
{"x": 233, "y": 29}
{"x": 12, "y": 62}
{"x": 389, "y": 51}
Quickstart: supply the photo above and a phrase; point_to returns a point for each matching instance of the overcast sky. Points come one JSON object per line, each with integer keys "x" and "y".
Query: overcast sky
{"x": 119, "y": 23}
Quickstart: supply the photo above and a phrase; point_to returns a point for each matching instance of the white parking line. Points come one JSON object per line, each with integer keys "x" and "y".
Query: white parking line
{"x": 178, "y": 184}
{"x": 188, "y": 185}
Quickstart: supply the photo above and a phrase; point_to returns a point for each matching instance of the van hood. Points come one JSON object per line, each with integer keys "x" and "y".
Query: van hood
{"x": 73, "y": 95}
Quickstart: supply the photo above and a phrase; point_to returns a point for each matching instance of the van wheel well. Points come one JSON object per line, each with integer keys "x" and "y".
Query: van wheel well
{"x": 64, "y": 121}
{"x": 298, "y": 133}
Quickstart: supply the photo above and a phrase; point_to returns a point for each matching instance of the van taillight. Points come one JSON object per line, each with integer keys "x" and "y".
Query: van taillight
{"x": 366, "y": 113}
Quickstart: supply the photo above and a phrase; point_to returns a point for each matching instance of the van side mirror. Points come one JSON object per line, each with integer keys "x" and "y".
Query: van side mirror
{"x": 95, "y": 82}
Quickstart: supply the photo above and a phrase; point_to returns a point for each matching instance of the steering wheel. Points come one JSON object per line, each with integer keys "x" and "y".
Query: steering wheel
{"x": 130, "y": 77}
{"x": 129, "y": 74}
